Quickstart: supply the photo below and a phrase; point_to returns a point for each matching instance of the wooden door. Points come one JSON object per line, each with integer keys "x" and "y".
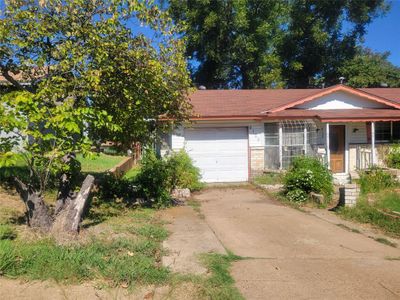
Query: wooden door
{"x": 337, "y": 135}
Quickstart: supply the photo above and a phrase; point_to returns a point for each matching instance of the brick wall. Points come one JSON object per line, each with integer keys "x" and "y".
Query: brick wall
{"x": 256, "y": 160}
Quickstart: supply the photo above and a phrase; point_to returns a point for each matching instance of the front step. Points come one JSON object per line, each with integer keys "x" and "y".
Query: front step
{"x": 341, "y": 179}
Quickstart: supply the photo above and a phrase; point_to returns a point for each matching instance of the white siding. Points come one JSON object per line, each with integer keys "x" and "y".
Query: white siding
{"x": 256, "y": 135}
{"x": 341, "y": 100}
{"x": 357, "y": 133}
{"x": 178, "y": 139}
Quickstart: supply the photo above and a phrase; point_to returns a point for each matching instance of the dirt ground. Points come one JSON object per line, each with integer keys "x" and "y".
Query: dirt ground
{"x": 291, "y": 254}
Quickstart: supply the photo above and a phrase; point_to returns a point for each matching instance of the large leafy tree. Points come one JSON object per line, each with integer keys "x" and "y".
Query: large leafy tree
{"x": 232, "y": 43}
{"x": 269, "y": 43}
{"x": 72, "y": 67}
{"x": 321, "y": 35}
{"x": 369, "y": 69}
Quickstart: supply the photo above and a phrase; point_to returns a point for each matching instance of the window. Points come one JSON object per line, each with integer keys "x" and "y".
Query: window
{"x": 387, "y": 131}
{"x": 396, "y": 131}
{"x": 298, "y": 138}
{"x": 272, "y": 146}
{"x": 382, "y": 131}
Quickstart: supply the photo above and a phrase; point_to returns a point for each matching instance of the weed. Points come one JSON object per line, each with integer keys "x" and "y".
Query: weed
{"x": 7, "y": 232}
{"x": 269, "y": 178}
{"x": 114, "y": 259}
{"x": 220, "y": 284}
{"x": 348, "y": 228}
{"x": 375, "y": 179}
{"x": 365, "y": 212}
{"x": 392, "y": 258}
{"x": 196, "y": 207}
{"x": 154, "y": 232}
{"x": 384, "y": 241}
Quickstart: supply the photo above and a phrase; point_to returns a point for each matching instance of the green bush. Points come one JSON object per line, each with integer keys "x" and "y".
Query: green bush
{"x": 393, "y": 158}
{"x": 297, "y": 195}
{"x": 307, "y": 174}
{"x": 159, "y": 176}
{"x": 374, "y": 180}
{"x": 154, "y": 179}
{"x": 183, "y": 174}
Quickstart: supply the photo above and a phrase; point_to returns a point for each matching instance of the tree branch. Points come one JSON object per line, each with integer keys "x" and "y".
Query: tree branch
{"x": 5, "y": 72}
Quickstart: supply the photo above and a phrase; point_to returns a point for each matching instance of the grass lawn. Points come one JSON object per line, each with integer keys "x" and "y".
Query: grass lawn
{"x": 132, "y": 173}
{"x": 376, "y": 212}
{"x": 117, "y": 247}
{"x": 99, "y": 163}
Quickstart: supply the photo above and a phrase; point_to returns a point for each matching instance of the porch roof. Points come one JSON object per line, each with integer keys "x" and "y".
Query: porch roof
{"x": 339, "y": 115}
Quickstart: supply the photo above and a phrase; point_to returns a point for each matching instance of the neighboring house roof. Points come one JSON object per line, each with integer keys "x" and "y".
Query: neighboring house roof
{"x": 266, "y": 103}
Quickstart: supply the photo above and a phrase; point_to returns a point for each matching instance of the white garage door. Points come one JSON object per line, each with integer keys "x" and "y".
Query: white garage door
{"x": 220, "y": 153}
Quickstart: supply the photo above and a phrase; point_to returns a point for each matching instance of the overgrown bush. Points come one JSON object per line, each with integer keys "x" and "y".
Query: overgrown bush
{"x": 159, "y": 176}
{"x": 154, "y": 179}
{"x": 375, "y": 179}
{"x": 183, "y": 174}
{"x": 305, "y": 175}
{"x": 297, "y": 195}
{"x": 393, "y": 158}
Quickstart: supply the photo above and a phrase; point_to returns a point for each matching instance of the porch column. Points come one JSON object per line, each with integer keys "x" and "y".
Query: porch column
{"x": 328, "y": 153}
{"x": 373, "y": 158}
{"x": 305, "y": 140}
{"x": 280, "y": 133}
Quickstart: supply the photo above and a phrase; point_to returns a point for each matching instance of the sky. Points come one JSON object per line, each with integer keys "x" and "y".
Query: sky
{"x": 384, "y": 34}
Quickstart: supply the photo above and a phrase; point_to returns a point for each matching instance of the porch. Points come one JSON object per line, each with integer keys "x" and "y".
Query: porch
{"x": 343, "y": 146}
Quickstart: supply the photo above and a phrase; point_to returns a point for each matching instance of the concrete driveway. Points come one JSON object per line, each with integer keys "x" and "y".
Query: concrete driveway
{"x": 295, "y": 255}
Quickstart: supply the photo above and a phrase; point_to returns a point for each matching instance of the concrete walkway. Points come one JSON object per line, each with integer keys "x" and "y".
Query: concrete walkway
{"x": 294, "y": 255}
{"x": 189, "y": 237}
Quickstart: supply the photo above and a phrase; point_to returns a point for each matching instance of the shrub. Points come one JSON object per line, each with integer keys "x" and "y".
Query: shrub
{"x": 183, "y": 174}
{"x": 374, "y": 180}
{"x": 297, "y": 195}
{"x": 307, "y": 174}
{"x": 154, "y": 179}
{"x": 393, "y": 158}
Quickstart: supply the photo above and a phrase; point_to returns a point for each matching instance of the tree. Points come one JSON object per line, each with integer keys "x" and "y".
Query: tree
{"x": 369, "y": 69}
{"x": 321, "y": 35}
{"x": 74, "y": 66}
{"x": 269, "y": 43}
{"x": 233, "y": 42}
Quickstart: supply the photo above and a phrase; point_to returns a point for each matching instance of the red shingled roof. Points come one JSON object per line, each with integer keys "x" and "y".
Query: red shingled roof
{"x": 253, "y": 104}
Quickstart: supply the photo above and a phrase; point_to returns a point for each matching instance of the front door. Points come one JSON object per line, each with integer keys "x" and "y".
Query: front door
{"x": 337, "y": 147}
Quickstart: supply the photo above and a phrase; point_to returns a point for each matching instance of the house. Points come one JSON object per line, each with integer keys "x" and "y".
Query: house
{"x": 236, "y": 134}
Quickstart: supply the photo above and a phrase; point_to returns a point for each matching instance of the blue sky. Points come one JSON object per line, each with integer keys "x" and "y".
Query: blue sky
{"x": 384, "y": 33}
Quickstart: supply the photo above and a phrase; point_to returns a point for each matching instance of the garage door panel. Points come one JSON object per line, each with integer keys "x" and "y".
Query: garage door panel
{"x": 220, "y": 153}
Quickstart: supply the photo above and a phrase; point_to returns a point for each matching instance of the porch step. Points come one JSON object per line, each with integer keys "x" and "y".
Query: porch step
{"x": 341, "y": 179}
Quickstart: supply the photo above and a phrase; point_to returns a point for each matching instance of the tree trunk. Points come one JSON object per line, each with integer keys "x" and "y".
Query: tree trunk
{"x": 37, "y": 212}
{"x": 69, "y": 218}
{"x": 68, "y": 212}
